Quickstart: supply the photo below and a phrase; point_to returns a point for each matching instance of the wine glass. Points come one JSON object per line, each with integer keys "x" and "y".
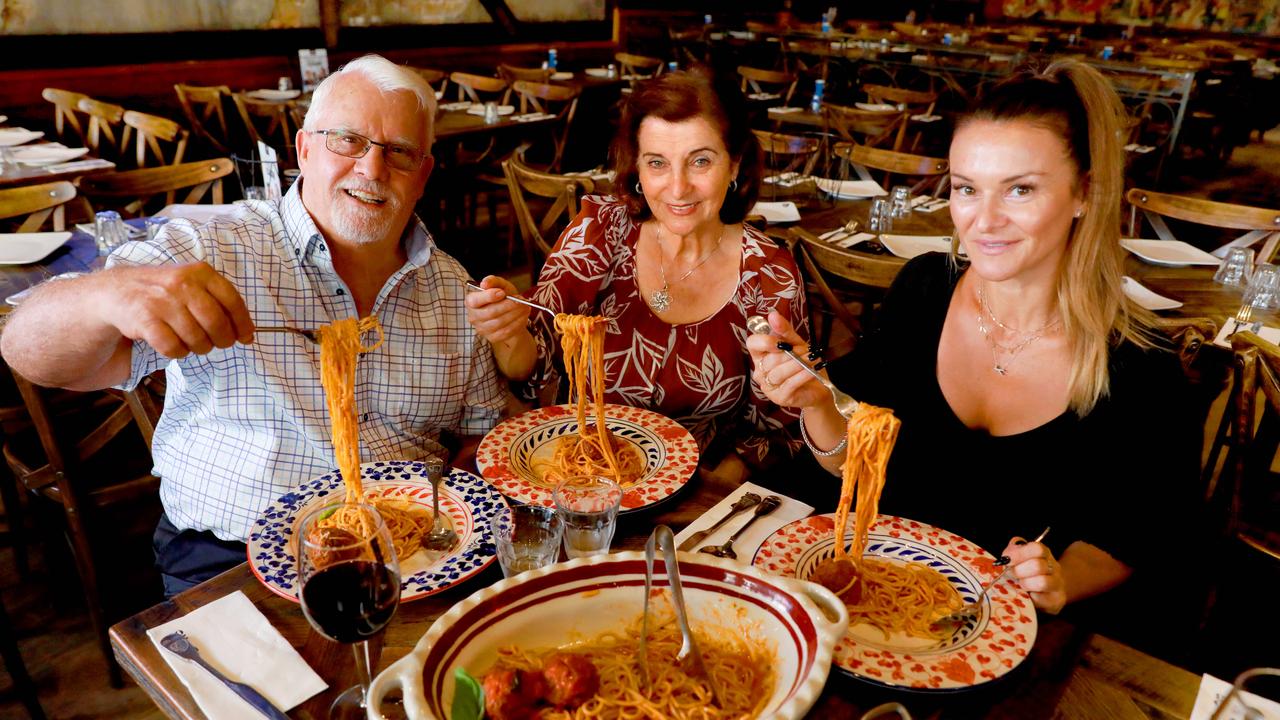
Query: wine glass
{"x": 350, "y": 584}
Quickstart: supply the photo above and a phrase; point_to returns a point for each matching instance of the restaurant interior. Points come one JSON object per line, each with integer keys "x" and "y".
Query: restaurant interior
{"x": 134, "y": 106}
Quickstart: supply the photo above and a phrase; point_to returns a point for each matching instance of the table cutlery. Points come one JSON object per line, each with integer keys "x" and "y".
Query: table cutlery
{"x": 765, "y": 507}
{"x": 178, "y": 644}
{"x": 748, "y": 500}
{"x": 441, "y": 536}
{"x": 689, "y": 657}
{"x": 516, "y": 298}
{"x": 845, "y": 405}
{"x": 308, "y": 334}
{"x": 971, "y": 610}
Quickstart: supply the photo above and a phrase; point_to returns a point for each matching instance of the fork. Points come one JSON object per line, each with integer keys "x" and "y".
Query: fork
{"x": 308, "y": 334}
{"x": 178, "y": 644}
{"x": 845, "y": 405}
{"x": 517, "y": 298}
{"x": 1243, "y": 316}
{"x": 689, "y": 658}
{"x": 972, "y": 609}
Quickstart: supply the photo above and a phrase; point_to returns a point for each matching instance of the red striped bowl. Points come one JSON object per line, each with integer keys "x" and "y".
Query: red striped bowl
{"x": 581, "y": 598}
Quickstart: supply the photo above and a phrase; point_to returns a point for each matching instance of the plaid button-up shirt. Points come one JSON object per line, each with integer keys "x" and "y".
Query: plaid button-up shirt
{"x": 244, "y": 425}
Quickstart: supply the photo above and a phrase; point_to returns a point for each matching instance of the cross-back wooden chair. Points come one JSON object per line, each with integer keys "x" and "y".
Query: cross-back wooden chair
{"x": 1262, "y": 224}
{"x": 842, "y": 287}
{"x": 267, "y": 121}
{"x": 924, "y": 170}
{"x": 1251, "y": 493}
{"x": 107, "y": 136}
{"x": 866, "y": 127}
{"x": 149, "y": 132}
{"x": 514, "y": 73}
{"x": 558, "y": 100}
{"x": 202, "y": 106}
{"x": 66, "y": 104}
{"x": 89, "y": 458}
{"x": 761, "y": 84}
{"x": 638, "y": 67}
{"x": 39, "y": 203}
{"x": 481, "y": 88}
{"x": 433, "y": 76}
{"x": 541, "y": 221}
{"x": 919, "y": 101}
{"x": 132, "y": 190}
{"x": 785, "y": 153}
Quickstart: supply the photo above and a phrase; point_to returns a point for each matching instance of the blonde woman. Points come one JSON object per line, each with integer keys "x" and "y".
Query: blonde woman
{"x": 1032, "y": 393}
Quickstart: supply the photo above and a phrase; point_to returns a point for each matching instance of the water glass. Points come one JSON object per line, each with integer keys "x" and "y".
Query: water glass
{"x": 527, "y": 538}
{"x": 6, "y": 160}
{"x": 901, "y": 201}
{"x": 1263, "y": 292}
{"x": 490, "y": 112}
{"x": 1254, "y": 694}
{"x": 1236, "y": 269}
{"x": 881, "y": 219}
{"x": 109, "y": 231}
{"x": 154, "y": 225}
{"x": 589, "y": 506}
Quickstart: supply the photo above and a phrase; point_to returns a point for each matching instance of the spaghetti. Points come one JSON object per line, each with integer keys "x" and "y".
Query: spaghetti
{"x": 594, "y": 450}
{"x": 340, "y": 345}
{"x": 893, "y": 597}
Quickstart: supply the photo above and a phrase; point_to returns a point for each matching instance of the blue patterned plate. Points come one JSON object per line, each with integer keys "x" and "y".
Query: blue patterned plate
{"x": 467, "y": 501}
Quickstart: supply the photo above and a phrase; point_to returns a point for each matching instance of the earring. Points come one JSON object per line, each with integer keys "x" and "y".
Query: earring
{"x": 733, "y": 185}
{"x": 639, "y": 190}
{"x": 1080, "y": 213}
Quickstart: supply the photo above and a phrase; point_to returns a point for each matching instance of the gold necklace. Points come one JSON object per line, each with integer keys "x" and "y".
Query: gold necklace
{"x": 997, "y": 348}
{"x": 661, "y": 300}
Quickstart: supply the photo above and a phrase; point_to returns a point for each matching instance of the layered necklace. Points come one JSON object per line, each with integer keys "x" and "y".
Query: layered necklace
{"x": 1002, "y": 355}
{"x": 661, "y": 300}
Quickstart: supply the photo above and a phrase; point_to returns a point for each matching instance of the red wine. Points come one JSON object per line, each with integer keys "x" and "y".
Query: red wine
{"x": 351, "y": 601}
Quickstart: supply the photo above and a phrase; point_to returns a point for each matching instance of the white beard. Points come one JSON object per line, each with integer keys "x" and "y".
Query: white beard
{"x": 363, "y": 224}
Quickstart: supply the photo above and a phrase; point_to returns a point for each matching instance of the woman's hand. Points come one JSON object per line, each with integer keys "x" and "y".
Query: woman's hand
{"x": 1039, "y": 573}
{"x": 780, "y": 379}
{"x": 496, "y": 318}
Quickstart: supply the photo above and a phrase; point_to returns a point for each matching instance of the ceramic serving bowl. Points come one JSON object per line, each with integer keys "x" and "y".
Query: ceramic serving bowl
{"x": 556, "y": 605}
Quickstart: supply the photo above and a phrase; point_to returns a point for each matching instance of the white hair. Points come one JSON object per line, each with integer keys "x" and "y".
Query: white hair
{"x": 387, "y": 77}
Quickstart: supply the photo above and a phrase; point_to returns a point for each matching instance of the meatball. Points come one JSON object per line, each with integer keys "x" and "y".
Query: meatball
{"x": 571, "y": 679}
{"x": 840, "y": 577}
{"x": 512, "y": 694}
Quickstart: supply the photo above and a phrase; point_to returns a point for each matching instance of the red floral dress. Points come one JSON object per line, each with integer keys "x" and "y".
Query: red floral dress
{"x": 698, "y": 374}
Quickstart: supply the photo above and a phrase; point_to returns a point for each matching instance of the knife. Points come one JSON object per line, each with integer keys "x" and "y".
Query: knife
{"x": 748, "y": 500}
{"x": 178, "y": 644}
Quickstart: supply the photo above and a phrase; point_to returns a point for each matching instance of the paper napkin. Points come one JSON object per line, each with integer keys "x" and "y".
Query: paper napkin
{"x": 1213, "y": 690}
{"x": 235, "y": 637}
{"x": 784, "y": 110}
{"x": 746, "y": 546}
{"x": 1231, "y": 327}
{"x": 777, "y": 212}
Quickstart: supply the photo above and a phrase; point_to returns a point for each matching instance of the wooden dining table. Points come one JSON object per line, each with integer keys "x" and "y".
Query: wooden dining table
{"x": 23, "y": 175}
{"x": 1070, "y": 672}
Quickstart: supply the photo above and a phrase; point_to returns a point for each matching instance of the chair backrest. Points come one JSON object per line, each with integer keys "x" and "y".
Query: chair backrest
{"x": 202, "y": 106}
{"x": 760, "y": 82}
{"x": 150, "y": 131}
{"x": 539, "y": 233}
{"x": 861, "y": 277}
{"x": 1252, "y": 502}
{"x": 788, "y": 153}
{"x": 130, "y": 191}
{"x": 559, "y": 100}
{"x": 66, "y": 104}
{"x": 512, "y": 73}
{"x": 1262, "y": 224}
{"x": 479, "y": 88}
{"x": 267, "y": 121}
{"x": 433, "y": 76}
{"x": 929, "y": 170}
{"x": 918, "y": 100}
{"x": 638, "y": 66}
{"x": 107, "y": 136}
{"x": 38, "y": 203}
{"x": 866, "y": 127}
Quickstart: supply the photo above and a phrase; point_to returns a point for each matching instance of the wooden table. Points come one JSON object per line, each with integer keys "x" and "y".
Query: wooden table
{"x": 1070, "y": 672}
{"x": 78, "y": 254}
{"x": 37, "y": 174}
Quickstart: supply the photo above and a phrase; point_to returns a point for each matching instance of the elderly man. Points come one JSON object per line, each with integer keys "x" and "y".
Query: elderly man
{"x": 245, "y": 419}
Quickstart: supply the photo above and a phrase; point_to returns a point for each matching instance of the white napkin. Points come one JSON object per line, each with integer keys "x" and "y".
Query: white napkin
{"x": 502, "y": 109}
{"x": 764, "y": 96}
{"x": 235, "y": 637}
{"x": 746, "y": 546}
{"x": 1212, "y": 690}
{"x": 530, "y": 117}
{"x": 926, "y": 118}
{"x": 1229, "y": 328}
{"x": 784, "y": 110}
{"x": 777, "y": 212}
{"x": 460, "y": 105}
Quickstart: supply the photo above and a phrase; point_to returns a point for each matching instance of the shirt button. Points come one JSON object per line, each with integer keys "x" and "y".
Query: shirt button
{"x": 341, "y": 291}
{"x": 364, "y": 418}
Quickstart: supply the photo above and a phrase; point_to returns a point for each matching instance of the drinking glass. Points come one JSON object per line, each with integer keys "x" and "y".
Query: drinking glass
{"x": 881, "y": 220}
{"x": 901, "y": 201}
{"x": 350, "y": 585}
{"x": 1253, "y": 695}
{"x": 589, "y": 506}
{"x": 490, "y": 112}
{"x": 6, "y": 160}
{"x": 154, "y": 225}
{"x": 527, "y": 537}
{"x": 1263, "y": 292}
{"x": 109, "y": 231}
{"x": 1236, "y": 269}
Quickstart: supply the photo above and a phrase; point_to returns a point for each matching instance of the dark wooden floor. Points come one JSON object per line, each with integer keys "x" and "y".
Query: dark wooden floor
{"x": 57, "y": 641}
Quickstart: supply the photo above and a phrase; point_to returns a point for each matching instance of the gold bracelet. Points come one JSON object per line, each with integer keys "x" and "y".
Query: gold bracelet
{"x": 804, "y": 434}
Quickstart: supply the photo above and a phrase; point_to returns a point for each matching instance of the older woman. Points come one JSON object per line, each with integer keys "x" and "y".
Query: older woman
{"x": 669, "y": 261}
{"x": 1031, "y": 391}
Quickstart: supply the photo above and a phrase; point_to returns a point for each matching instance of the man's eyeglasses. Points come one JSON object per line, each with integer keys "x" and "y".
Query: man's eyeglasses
{"x": 354, "y": 145}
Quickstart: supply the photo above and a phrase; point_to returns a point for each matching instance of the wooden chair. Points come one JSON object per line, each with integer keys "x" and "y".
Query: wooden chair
{"x": 39, "y": 203}
{"x": 202, "y": 105}
{"x": 785, "y": 153}
{"x": 149, "y": 132}
{"x": 132, "y": 190}
{"x": 638, "y": 67}
{"x": 919, "y": 101}
{"x": 481, "y": 88}
{"x": 1262, "y": 224}
{"x": 927, "y": 170}
{"x": 841, "y": 286}
{"x": 762, "y": 83}
{"x": 558, "y": 100}
{"x": 512, "y": 73}
{"x": 1251, "y": 495}
{"x": 433, "y": 76}
{"x": 540, "y": 229}
{"x": 105, "y": 121}
{"x": 22, "y": 684}
{"x": 267, "y": 121}
{"x": 865, "y": 127}
{"x": 87, "y": 460}
{"x": 65, "y": 106}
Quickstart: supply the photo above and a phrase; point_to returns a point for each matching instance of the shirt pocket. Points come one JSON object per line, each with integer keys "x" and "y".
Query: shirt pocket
{"x": 426, "y": 391}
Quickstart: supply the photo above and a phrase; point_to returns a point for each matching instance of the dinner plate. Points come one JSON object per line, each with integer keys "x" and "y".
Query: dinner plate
{"x": 468, "y": 502}
{"x": 1172, "y": 253}
{"x": 274, "y": 94}
{"x": 23, "y": 248}
{"x": 597, "y": 72}
{"x": 909, "y": 246}
{"x": 777, "y": 212}
{"x": 875, "y": 107}
{"x": 850, "y": 189}
{"x": 10, "y": 137}
{"x": 561, "y": 75}
{"x": 502, "y": 109}
{"x": 47, "y": 154}
{"x": 505, "y": 456}
{"x": 1145, "y": 296}
{"x": 982, "y": 650}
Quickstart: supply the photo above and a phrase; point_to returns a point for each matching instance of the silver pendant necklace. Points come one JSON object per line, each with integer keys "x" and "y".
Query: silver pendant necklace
{"x": 998, "y": 349}
{"x": 661, "y": 299}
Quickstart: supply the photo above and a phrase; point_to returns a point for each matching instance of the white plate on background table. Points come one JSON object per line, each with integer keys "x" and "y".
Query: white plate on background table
{"x": 875, "y": 107}
{"x": 1145, "y": 296}
{"x": 277, "y": 95}
{"x": 909, "y": 246}
{"x": 47, "y": 154}
{"x": 468, "y": 503}
{"x": 502, "y": 109}
{"x": 561, "y": 75}
{"x": 24, "y": 248}
{"x": 777, "y": 212}
{"x": 850, "y": 189}
{"x": 597, "y": 72}
{"x": 10, "y": 137}
{"x": 1172, "y": 253}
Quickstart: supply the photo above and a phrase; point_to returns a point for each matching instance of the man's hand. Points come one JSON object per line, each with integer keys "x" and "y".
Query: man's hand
{"x": 176, "y": 309}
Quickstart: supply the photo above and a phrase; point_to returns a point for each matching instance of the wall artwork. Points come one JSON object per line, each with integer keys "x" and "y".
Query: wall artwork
{"x": 1247, "y": 16}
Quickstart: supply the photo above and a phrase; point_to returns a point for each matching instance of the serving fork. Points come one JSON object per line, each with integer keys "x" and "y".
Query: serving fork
{"x": 689, "y": 658}
{"x": 178, "y": 644}
{"x": 845, "y": 404}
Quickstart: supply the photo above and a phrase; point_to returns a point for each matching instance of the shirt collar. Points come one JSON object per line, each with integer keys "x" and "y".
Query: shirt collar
{"x": 304, "y": 237}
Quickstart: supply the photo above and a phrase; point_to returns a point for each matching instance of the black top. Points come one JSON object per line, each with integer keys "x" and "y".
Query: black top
{"x": 1114, "y": 478}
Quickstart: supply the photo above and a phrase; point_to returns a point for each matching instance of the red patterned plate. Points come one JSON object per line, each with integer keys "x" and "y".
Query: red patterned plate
{"x": 505, "y": 456}
{"x": 982, "y": 650}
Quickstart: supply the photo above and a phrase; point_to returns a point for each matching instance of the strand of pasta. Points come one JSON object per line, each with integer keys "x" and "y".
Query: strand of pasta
{"x": 582, "y": 342}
